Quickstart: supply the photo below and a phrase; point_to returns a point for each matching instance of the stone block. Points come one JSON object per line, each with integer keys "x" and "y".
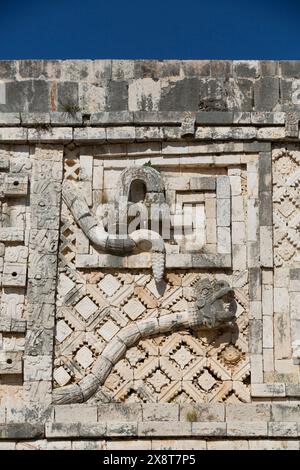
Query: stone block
{"x": 37, "y": 368}
{"x": 66, "y": 118}
{"x": 21, "y": 431}
{"x": 32, "y": 96}
{"x": 9, "y": 119}
{"x": 246, "y": 68}
{"x": 40, "y": 69}
{"x": 38, "y": 392}
{"x": 129, "y": 445}
{"x": 6, "y": 445}
{"x": 180, "y": 95}
{"x": 35, "y": 119}
{"x": 202, "y": 183}
{"x": 208, "y": 429}
{"x": 283, "y": 412}
{"x": 121, "y": 429}
{"x": 268, "y": 341}
{"x": 266, "y": 246}
{"x": 255, "y": 284}
{"x": 163, "y": 429}
{"x": 241, "y": 117}
{"x": 267, "y": 299}
{"x": 75, "y": 413}
{"x": 10, "y": 325}
{"x": 236, "y": 444}
{"x": 59, "y": 445}
{"x": 255, "y": 310}
{"x": 120, "y": 412}
{"x": 55, "y": 135}
{"x": 158, "y": 118}
{"x": 256, "y": 362}
{"x": 265, "y": 208}
{"x": 247, "y": 428}
{"x": 223, "y": 212}
{"x": 88, "y": 445}
{"x": 256, "y": 332}
{"x": 281, "y": 299}
{"x": 90, "y": 135}
{"x": 239, "y": 257}
{"x": 13, "y": 134}
{"x": 248, "y": 412}
{"x": 160, "y": 412}
{"x": 41, "y": 314}
{"x": 263, "y": 118}
{"x": 266, "y": 93}
{"x": 112, "y": 118}
{"x": 75, "y": 429}
{"x": 268, "y": 390}
{"x": 224, "y": 240}
{"x": 10, "y": 362}
{"x": 149, "y": 133}
{"x": 290, "y": 68}
{"x": 178, "y": 444}
{"x": 117, "y": 95}
{"x": 203, "y": 412}
{"x": 214, "y": 117}
{"x": 238, "y": 233}
{"x": 40, "y": 444}
{"x": 67, "y": 97}
{"x": 14, "y": 274}
{"x": 223, "y": 187}
{"x": 268, "y": 360}
{"x": 271, "y": 133}
{"x": 120, "y": 134}
{"x": 269, "y": 444}
{"x": 295, "y": 274}
{"x": 8, "y": 69}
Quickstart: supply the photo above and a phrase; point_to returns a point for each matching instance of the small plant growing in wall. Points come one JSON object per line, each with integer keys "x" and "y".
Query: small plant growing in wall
{"x": 192, "y": 415}
{"x": 70, "y": 108}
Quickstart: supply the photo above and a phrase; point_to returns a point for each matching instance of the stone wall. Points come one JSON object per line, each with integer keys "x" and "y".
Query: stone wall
{"x": 108, "y": 342}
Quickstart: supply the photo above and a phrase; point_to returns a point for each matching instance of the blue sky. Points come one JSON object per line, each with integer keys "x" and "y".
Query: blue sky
{"x": 151, "y": 29}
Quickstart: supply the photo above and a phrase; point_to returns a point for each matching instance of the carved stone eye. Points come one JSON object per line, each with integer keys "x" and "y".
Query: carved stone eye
{"x": 204, "y": 291}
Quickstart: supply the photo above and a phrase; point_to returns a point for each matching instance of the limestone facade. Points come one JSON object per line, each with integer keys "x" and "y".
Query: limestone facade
{"x": 183, "y": 331}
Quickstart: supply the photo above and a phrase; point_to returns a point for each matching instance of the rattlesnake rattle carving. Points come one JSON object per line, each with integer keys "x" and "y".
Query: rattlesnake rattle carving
{"x": 117, "y": 245}
{"x": 207, "y": 311}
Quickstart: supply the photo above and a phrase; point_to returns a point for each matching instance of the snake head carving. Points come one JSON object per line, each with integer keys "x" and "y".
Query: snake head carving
{"x": 215, "y": 304}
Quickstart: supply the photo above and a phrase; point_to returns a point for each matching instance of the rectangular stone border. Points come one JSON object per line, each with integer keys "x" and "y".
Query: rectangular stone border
{"x": 146, "y": 118}
{"x": 128, "y": 134}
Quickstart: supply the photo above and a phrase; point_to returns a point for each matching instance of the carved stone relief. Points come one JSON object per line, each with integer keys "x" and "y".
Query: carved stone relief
{"x": 116, "y": 330}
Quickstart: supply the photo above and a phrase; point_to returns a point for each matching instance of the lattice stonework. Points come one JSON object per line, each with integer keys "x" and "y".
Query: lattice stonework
{"x": 286, "y": 204}
{"x": 95, "y": 303}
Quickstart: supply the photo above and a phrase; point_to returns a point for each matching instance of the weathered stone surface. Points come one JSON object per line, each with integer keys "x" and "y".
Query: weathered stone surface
{"x": 29, "y": 95}
{"x": 82, "y": 318}
{"x": 160, "y": 412}
{"x": 266, "y": 93}
{"x": 160, "y": 428}
{"x": 75, "y": 429}
{"x": 247, "y": 428}
{"x": 209, "y": 429}
{"x": 21, "y": 431}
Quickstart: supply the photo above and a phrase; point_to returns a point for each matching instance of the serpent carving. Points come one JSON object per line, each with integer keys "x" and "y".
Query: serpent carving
{"x": 208, "y": 311}
{"x": 139, "y": 240}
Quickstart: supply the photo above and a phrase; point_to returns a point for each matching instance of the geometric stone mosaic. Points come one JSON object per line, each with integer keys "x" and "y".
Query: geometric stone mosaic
{"x": 93, "y": 305}
{"x": 286, "y": 205}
